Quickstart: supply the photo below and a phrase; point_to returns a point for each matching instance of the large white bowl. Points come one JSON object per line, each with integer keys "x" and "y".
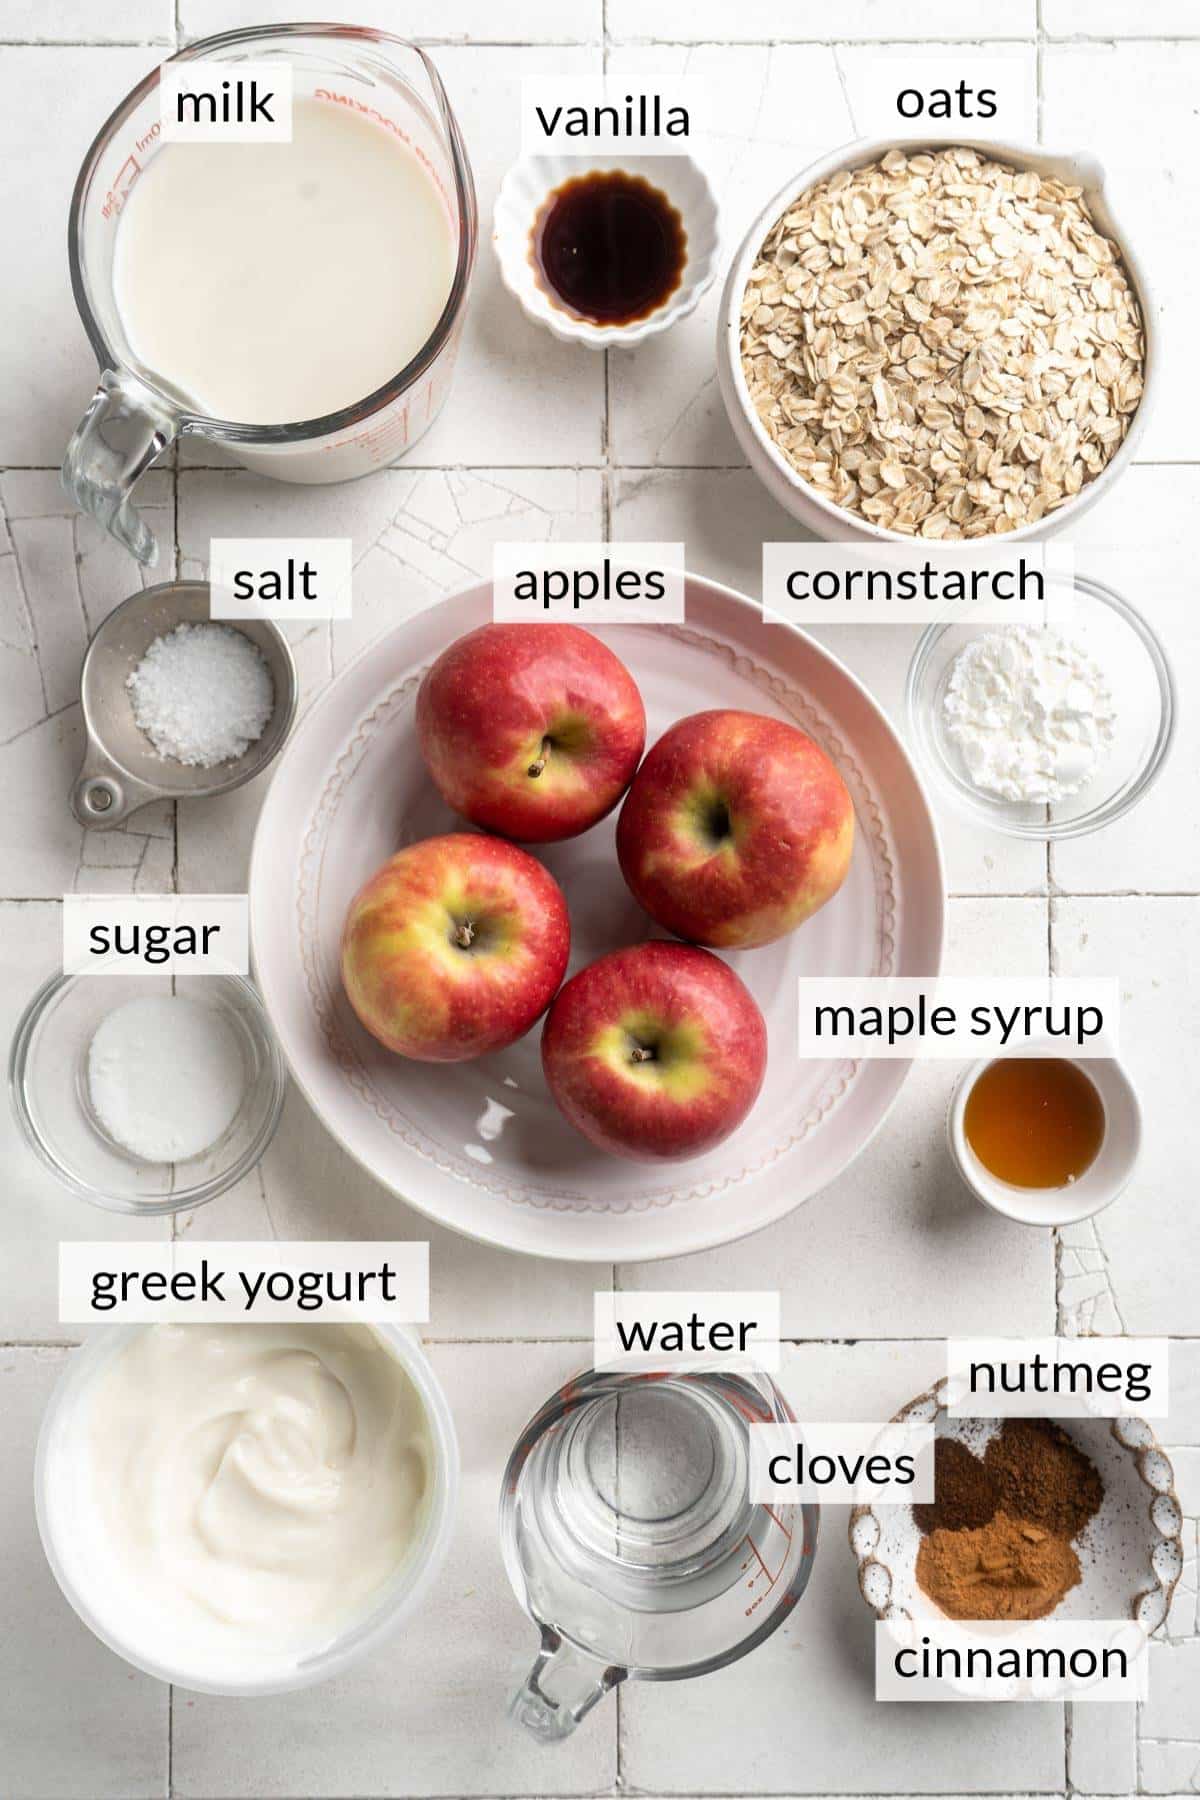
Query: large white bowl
{"x": 480, "y": 1145}
{"x": 798, "y": 497}
{"x": 66, "y": 1515}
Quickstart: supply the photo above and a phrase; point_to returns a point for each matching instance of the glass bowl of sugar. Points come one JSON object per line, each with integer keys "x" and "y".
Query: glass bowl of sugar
{"x": 147, "y": 1095}
{"x": 1047, "y": 730}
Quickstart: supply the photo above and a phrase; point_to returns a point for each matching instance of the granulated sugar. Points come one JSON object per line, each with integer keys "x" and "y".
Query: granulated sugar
{"x": 202, "y": 694}
{"x": 166, "y": 1077}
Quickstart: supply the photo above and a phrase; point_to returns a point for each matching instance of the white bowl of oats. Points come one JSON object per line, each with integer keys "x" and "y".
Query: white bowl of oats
{"x": 942, "y": 341}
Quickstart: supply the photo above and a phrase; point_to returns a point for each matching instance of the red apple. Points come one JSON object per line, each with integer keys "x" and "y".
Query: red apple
{"x": 736, "y": 829}
{"x": 655, "y": 1052}
{"x": 533, "y": 731}
{"x": 455, "y": 947}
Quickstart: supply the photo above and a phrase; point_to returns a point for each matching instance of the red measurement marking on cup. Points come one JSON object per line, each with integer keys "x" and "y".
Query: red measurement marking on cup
{"x": 771, "y": 1514}
{"x": 118, "y": 193}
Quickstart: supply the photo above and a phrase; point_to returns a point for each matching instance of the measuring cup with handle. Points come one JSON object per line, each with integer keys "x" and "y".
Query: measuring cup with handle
{"x": 134, "y": 416}
{"x": 630, "y": 1538}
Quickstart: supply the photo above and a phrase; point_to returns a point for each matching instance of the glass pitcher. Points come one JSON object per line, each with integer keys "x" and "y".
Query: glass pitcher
{"x": 133, "y": 416}
{"x": 630, "y": 1538}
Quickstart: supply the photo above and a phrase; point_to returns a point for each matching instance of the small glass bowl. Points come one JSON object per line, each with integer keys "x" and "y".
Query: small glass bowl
{"x": 1117, "y": 638}
{"x": 47, "y": 1072}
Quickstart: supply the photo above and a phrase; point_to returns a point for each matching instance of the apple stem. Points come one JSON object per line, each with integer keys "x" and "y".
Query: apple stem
{"x": 642, "y": 1054}
{"x": 535, "y": 768}
{"x": 464, "y": 935}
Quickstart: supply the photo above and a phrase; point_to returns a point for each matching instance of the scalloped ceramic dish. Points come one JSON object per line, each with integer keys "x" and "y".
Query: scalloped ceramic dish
{"x": 480, "y": 1146}
{"x": 528, "y": 184}
{"x": 1131, "y": 1552}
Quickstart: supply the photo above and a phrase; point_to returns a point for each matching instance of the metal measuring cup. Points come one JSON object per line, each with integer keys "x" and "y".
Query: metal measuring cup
{"x": 121, "y": 768}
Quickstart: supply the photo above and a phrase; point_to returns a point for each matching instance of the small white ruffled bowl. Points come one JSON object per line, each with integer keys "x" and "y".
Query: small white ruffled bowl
{"x": 530, "y": 182}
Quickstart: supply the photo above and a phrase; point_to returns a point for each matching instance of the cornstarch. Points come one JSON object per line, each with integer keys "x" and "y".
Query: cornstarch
{"x": 1030, "y": 712}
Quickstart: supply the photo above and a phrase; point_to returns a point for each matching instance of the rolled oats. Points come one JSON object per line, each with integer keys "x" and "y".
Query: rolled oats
{"x": 942, "y": 344}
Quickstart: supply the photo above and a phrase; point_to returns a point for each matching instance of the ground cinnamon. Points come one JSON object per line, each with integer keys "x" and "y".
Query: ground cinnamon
{"x": 964, "y": 1496}
{"x": 1040, "y": 1475}
{"x": 998, "y": 1532}
{"x": 1007, "y": 1569}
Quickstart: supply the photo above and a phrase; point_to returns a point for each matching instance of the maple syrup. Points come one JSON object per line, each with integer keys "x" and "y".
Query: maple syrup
{"x": 608, "y": 247}
{"x": 1035, "y": 1122}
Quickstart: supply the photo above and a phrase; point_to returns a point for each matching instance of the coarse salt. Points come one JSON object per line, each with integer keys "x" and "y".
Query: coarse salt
{"x": 202, "y": 694}
{"x": 165, "y": 1076}
{"x": 1030, "y": 712}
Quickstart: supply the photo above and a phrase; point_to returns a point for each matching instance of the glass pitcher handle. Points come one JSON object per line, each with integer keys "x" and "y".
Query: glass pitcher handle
{"x": 560, "y": 1689}
{"x": 122, "y": 432}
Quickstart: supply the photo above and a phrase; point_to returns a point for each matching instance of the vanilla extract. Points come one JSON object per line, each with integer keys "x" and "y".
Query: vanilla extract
{"x": 608, "y": 247}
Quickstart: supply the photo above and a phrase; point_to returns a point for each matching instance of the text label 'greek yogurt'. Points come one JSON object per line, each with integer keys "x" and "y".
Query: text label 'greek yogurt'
{"x": 580, "y": 114}
{"x": 280, "y": 578}
{"x": 995, "y": 93}
{"x": 662, "y": 1332}
{"x": 589, "y": 584}
{"x": 155, "y": 934}
{"x": 173, "y": 1283}
{"x": 932, "y": 1658}
{"x": 917, "y": 584}
{"x": 953, "y": 1017}
{"x": 1064, "y": 1378}
{"x": 232, "y": 103}
{"x": 842, "y": 1462}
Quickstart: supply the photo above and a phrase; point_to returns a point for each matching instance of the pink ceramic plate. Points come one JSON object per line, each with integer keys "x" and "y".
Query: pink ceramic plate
{"x": 480, "y": 1146}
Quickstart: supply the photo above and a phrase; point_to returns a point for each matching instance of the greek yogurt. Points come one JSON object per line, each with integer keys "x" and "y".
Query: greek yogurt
{"x": 239, "y": 1496}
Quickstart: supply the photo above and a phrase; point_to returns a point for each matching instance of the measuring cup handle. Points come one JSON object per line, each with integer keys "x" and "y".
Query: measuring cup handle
{"x": 122, "y": 432}
{"x": 560, "y": 1689}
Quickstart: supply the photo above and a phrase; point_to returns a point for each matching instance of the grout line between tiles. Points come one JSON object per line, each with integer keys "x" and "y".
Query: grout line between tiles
{"x": 413, "y": 467}
{"x": 484, "y": 1343}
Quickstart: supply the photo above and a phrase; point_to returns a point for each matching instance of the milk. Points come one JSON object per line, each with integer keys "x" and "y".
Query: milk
{"x": 273, "y": 283}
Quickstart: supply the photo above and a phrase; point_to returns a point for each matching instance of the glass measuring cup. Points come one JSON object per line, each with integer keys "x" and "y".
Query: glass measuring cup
{"x": 134, "y": 414}
{"x": 630, "y": 1539}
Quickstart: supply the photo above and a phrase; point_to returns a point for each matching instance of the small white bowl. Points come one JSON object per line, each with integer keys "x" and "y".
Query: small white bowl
{"x": 1095, "y": 1189}
{"x": 796, "y": 496}
{"x": 528, "y": 184}
{"x": 1131, "y": 1553}
{"x": 1138, "y": 671}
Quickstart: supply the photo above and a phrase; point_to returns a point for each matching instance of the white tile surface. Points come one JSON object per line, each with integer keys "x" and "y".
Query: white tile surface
{"x": 1155, "y": 1218}
{"x": 1136, "y": 543}
{"x": 60, "y": 575}
{"x": 75, "y": 1722}
{"x": 476, "y": 21}
{"x": 537, "y": 440}
{"x": 1117, "y": 19}
{"x": 766, "y": 21}
{"x": 83, "y": 22}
